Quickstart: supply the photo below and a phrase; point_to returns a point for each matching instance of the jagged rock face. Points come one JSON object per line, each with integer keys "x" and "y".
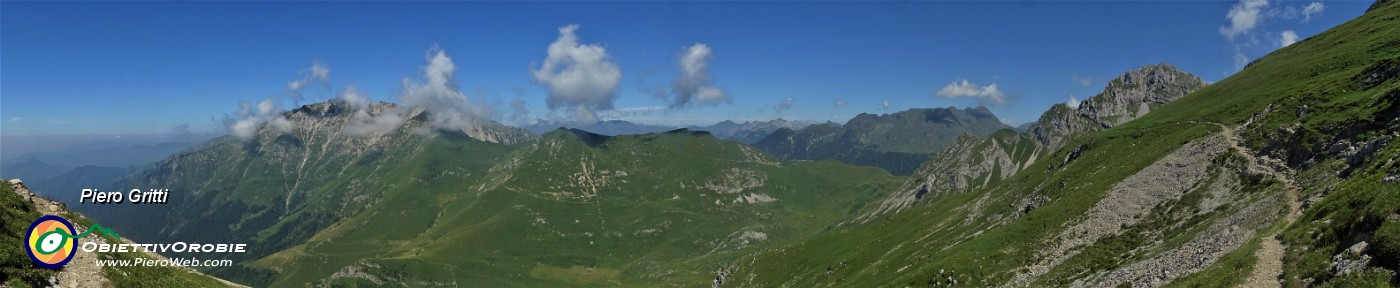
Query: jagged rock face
{"x": 1059, "y": 124}
{"x": 1127, "y": 97}
{"x": 969, "y": 163}
{"x": 337, "y": 115}
{"x": 1137, "y": 92}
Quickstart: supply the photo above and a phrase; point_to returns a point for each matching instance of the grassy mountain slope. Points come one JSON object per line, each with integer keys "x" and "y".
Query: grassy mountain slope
{"x": 1191, "y": 194}
{"x": 576, "y": 208}
{"x": 276, "y": 189}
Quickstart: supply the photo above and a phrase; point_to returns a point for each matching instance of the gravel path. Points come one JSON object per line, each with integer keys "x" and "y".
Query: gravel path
{"x": 1269, "y": 264}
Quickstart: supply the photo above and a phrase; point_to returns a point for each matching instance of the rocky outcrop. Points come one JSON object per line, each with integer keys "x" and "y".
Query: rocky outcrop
{"x": 1353, "y": 259}
{"x": 1125, "y": 98}
{"x": 343, "y": 117}
{"x": 1137, "y": 92}
{"x": 1058, "y": 125}
{"x": 972, "y": 162}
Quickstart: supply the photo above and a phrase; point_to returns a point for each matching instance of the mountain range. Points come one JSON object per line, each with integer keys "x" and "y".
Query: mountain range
{"x": 747, "y": 132}
{"x": 896, "y": 142}
{"x": 1284, "y": 173}
{"x": 578, "y": 207}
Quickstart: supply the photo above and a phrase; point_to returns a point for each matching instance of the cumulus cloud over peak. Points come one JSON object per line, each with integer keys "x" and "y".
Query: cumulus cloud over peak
{"x": 363, "y": 121}
{"x": 354, "y": 98}
{"x": 694, "y": 86}
{"x": 250, "y": 119}
{"x": 885, "y": 105}
{"x": 439, "y": 96}
{"x": 984, "y": 94}
{"x": 1073, "y": 103}
{"x": 581, "y": 76}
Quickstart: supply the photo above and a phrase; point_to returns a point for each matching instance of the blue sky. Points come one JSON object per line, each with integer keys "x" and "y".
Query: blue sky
{"x": 145, "y": 67}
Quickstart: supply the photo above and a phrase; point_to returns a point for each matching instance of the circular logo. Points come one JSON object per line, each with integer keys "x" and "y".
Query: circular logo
{"x": 50, "y": 241}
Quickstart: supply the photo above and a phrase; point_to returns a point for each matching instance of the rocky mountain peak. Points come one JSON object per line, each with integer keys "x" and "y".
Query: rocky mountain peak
{"x": 1136, "y": 92}
{"x": 1126, "y": 97}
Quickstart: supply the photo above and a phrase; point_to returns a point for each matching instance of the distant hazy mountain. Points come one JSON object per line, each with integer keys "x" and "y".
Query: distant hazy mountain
{"x": 99, "y": 154}
{"x": 897, "y": 142}
{"x": 67, "y": 187}
{"x": 52, "y": 173}
{"x": 33, "y": 169}
{"x": 609, "y": 127}
{"x": 751, "y": 131}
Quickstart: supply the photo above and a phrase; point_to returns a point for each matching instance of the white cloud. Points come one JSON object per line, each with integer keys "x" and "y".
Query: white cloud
{"x": 581, "y": 76}
{"x": 316, "y": 74}
{"x": 1085, "y": 81}
{"x": 518, "y": 114}
{"x": 885, "y": 105}
{"x": 250, "y": 119}
{"x": 1247, "y": 16}
{"x": 439, "y": 96}
{"x": 365, "y": 123}
{"x": 694, "y": 86}
{"x": 783, "y": 105}
{"x": 1312, "y": 9}
{"x": 640, "y": 109}
{"x": 840, "y": 102}
{"x": 584, "y": 115}
{"x": 1244, "y": 16}
{"x": 984, "y": 94}
{"x": 354, "y": 98}
{"x": 1073, "y": 103}
{"x": 626, "y": 112}
{"x": 16, "y": 119}
{"x": 1288, "y": 37}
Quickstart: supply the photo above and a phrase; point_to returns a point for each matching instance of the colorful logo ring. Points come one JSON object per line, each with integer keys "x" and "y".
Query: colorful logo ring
{"x": 50, "y": 242}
